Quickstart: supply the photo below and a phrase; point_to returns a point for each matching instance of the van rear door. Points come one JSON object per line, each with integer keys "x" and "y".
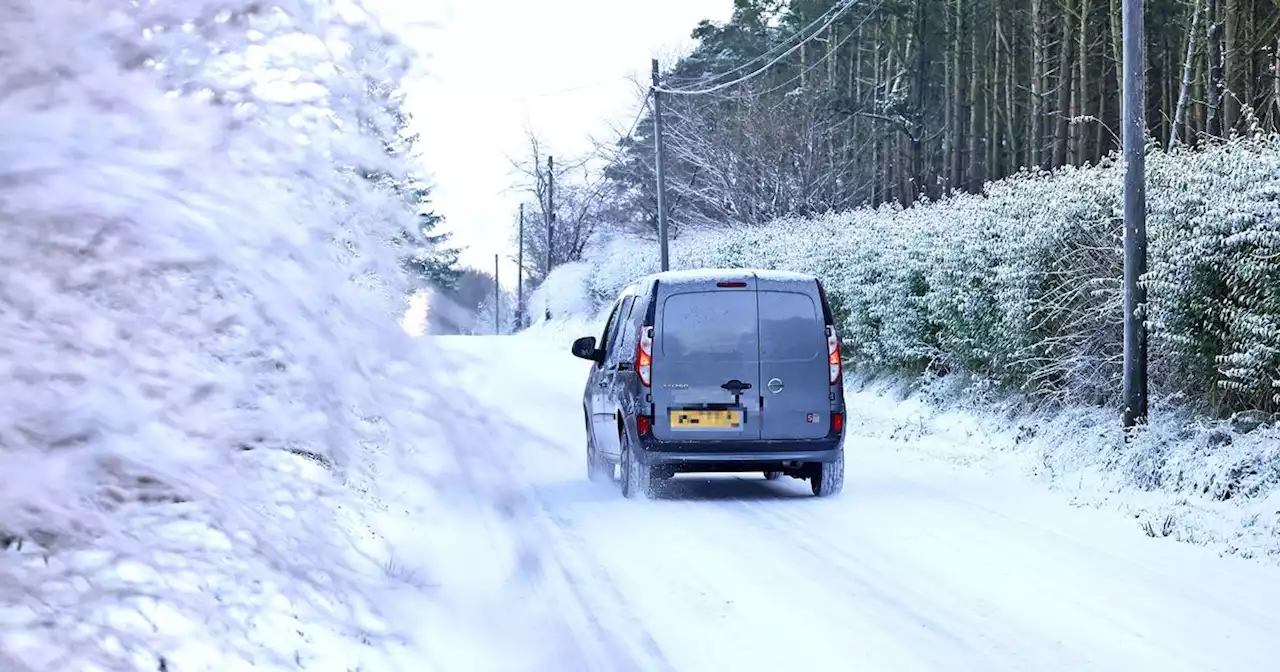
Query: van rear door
{"x": 706, "y": 374}
{"x": 793, "y": 360}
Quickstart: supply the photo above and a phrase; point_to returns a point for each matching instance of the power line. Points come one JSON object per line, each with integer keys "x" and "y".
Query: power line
{"x": 849, "y": 4}
{"x": 631, "y": 130}
{"x": 820, "y": 61}
{"x": 769, "y": 53}
{"x": 571, "y": 89}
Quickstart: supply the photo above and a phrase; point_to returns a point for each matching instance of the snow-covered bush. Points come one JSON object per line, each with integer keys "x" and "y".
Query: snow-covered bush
{"x": 1020, "y": 286}
{"x": 565, "y": 293}
{"x": 199, "y": 283}
{"x": 1215, "y": 280}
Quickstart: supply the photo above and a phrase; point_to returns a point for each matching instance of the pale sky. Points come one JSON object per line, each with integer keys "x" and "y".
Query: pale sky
{"x": 564, "y": 68}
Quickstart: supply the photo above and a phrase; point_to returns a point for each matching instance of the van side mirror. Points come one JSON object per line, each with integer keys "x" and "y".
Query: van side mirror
{"x": 585, "y": 348}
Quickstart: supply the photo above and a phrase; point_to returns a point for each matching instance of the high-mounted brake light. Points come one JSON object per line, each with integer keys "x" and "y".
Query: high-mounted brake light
{"x": 833, "y": 354}
{"x": 731, "y": 284}
{"x": 644, "y": 356}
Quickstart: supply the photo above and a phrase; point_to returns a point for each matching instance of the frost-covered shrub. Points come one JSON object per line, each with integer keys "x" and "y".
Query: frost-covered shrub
{"x": 1021, "y": 286}
{"x": 1215, "y": 276}
{"x": 566, "y": 292}
{"x": 198, "y": 283}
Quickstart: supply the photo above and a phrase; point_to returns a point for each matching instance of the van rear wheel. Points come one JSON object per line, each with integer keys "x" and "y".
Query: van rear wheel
{"x": 772, "y": 475}
{"x": 599, "y": 470}
{"x": 827, "y": 478}
{"x": 637, "y": 479}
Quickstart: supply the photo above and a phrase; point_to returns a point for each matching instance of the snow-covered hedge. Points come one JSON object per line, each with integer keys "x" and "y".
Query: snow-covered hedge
{"x": 1021, "y": 286}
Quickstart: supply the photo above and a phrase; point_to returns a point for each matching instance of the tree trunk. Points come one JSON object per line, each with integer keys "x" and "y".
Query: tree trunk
{"x": 1213, "y": 121}
{"x": 1117, "y": 40}
{"x": 1184, "y": 91}
{"x": 1101, "y": 141}
{"x": 1231, "y": 67}
{"x": 1065, "y": 79}
{"x": 1082, "y": 86}
{"x": 974, "y": 172}
{"x": 950, "y": 122}
{"x": 1036, "y": 132}
{"x": 1013, "y": 154}
{"x": 916, "y": 178}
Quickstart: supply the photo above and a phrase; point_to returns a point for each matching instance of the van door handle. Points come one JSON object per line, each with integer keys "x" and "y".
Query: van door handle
{"x": 736, "y": 386}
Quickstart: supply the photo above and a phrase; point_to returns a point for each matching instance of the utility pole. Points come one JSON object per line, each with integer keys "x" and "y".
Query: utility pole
{"x": 520, "y": 271}
{"x": 659, "y": 162}
{"x": 1135, "y": 215}
{"x": 497, "y": 298}
{"x": 551, "y": 213}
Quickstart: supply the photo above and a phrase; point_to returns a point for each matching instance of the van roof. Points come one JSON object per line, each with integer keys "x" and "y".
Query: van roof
{"x": 710, "y": 274}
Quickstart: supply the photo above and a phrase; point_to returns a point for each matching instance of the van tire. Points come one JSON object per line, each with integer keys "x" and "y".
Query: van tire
{"x": 599, "y": 470}
{"x": 772, "y": 475}
{"x": 827, "y": 479}
{"x": 637, "y": 478}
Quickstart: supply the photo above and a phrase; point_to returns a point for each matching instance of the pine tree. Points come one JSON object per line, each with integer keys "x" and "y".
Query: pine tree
{"x": 432, "y": 262}
{"x": 429, "y": 259}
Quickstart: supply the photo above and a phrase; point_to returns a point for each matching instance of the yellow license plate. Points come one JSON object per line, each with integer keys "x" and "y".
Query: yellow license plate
{"x": 700, "y": 419}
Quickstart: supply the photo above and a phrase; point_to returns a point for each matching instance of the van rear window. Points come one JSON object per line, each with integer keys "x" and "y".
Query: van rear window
{"x": 710, "y": 325}
{"x": 791, "y": 327}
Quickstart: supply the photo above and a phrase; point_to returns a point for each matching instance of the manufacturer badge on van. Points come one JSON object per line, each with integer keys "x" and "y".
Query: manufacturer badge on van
{"x": 676, "y": 386}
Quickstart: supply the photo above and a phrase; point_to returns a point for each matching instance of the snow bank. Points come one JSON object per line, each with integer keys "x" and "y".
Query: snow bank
{"x": 565, "y": 293}
{"x": 574, "y": 311}
{"x": 202, "y": 378}
{"x": 1185, "y": 478}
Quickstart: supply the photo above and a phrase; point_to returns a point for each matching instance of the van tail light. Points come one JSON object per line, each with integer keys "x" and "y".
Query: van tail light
{"x": 837, "y": 422}
{"x": 833, "y": 354}
{"x": 644, "y": 356}
{"x": 643, "y": 425}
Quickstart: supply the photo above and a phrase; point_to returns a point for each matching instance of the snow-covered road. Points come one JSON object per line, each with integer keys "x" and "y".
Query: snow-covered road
{"x": 917, "y": 566}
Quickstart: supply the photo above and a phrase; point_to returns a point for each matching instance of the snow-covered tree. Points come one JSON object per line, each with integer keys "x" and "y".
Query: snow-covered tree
{"x": 432, "y": 262}
{"x": 200, "y": 279}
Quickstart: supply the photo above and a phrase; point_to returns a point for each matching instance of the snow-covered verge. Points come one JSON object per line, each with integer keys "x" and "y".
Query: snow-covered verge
{"x": 206, "y": 397}
{"x": 1184, "y": 478}
{"x": 1012, "y": 298}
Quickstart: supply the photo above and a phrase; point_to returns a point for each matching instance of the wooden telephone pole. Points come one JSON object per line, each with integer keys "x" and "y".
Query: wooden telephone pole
{"x": 551, "y": 214}
{"x": 659, "y": 167}
{"x": 520, "y": 271}
{"x": 1135, "y": 215}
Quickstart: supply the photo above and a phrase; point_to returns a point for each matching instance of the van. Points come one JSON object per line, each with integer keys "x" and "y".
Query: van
{"x": 716, "y": 370}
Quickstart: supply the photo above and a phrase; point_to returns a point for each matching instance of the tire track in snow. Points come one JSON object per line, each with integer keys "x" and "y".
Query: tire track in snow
{"x": 860, "y": 575}
{"x": 593, "y": 588}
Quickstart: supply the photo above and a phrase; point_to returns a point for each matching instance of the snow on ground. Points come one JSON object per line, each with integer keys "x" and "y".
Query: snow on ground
{"x": 1174, "y": 482}
{"x": 920, "y": 565}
